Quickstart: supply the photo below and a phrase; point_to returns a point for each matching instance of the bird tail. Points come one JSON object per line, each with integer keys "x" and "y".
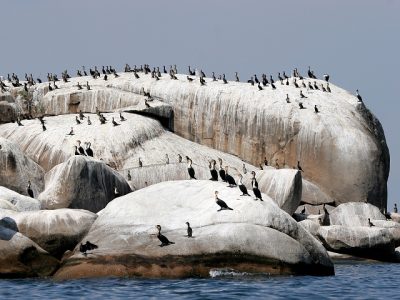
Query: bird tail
{"x": 171, "y": 242}
{"x": 230, "y": 208}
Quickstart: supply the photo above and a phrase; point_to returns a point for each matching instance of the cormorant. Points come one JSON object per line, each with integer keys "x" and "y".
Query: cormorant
{"x": 121, "y": 117}
{"x": 76, "y": 152}
{"x": 88, "y": 150}
{"x": 87, "y": 85}
{"x": 221, "y": 203}
{"x": 359, "y": 96}
{"x": 189, "y": 230}
{"x": 273, "y": 86}
{"x": 256, "y": 79}
{"x": 370, "y": 224}
{"x": 77, "y": 120}
{"x": 163, "y": 239}
{"x": 29, "y": 189}
{"x": 302, "y": 95}
{"x": 81, "y": 115}
{"x": 146, "y": 103}
{"x": 80, "y": 148}
{"x": 140, "y": 163}
{"x": 79, "y": 86}
{"x": 88, "y": 121}
{"x": 166, "y": 159}
{"x": 50, "y": 88}
{"x": 242, "y": 187}
{"x": 213, "y": 171}
{"x": 326, "y": 77}
{"x": 315, "y": 85}
{"x": 189, "y": 79}
{"x": 179, "y": 158}
{"x": 295, "y": 83}
{"x": 299, "y": 167}
{"x": 83, "y": 248}
{"x": 237, "y": 77}
{"x": 287, "y": 98}
{"x": 316, "y": 109}
{"x": 260, "y": 87}
{"x": 301, "y": 105}
{"x": 323, "y": 88}
{"x": 395, "y": 208}
{"x": 44, "y": 127}
{"x": 244, "y": 169}
{"x": 191, "y": 170}
{"x": 303, "y": 211}
{"x": 328, "y": 88}
{"x": 114, "y": 123}
{"x": 224, "y": 79}
{"x": 251, "y": 81}
{"x": 105, "y": 77}
{"x": 221, "y": 170}
{"x": 231, "y": 181}
{"x": 261, "y": 167}
{"x": 213, "y": 76}
{"x": 129, "y": 177}
{"x": 254, "y": 185}
{"x": 71, "y": 131}
{"x": 310, "y": 86}
{"x": 265, "y": 161}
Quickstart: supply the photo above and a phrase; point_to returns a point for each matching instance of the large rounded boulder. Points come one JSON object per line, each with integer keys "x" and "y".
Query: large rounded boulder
{"x": 355, "y": 214}
{"x": 83, "y": 183}
{"x": 254, "y": 237}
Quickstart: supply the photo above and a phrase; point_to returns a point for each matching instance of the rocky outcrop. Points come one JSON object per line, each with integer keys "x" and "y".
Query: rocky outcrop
{"x": 7, "y": 111}
{"x": 395, "y": 217}
{"x": 254, "y": 237}
{"x": 371, "y": 242}
{"x": 355, "y": 214}
{"x": 56, "y": 231}
{"x": 284, "y": 186}
{"x": 82, "y": 183}
{"x": 20, "y": 256}
{"x": 20, "y": 202}
{"x": 16, "y": 169}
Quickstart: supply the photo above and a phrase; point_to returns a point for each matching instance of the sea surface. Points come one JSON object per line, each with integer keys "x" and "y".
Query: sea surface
{"x": 352, "y": 281}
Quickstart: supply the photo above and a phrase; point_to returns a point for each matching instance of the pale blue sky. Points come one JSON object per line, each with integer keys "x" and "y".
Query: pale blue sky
{"x": 356, "y": 42}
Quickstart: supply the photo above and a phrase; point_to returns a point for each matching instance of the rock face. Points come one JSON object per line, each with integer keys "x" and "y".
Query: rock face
{"x": 54, "y": 230}
{"x": 83, "y": 183}
{"x": 7, "y": 111}
{"x": 20, "y": 256}
{"x": 20, "y": 202}
{"x": 255, "y": 236}
{"x": 16, "y": 169}
{"x": 284, "y": 186}
{"x": 239, "y": 119}
{"x": 355, "y": 214}
{"x": 313, "y": 195}
{"x": 371, "y": 242}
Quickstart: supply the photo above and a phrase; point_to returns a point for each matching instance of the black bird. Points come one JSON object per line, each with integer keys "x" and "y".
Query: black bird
{"x": 76, "y": 152}
{"x": 301, "y": 105}
{"x": 302, "y": 95}
{"x": 287, "y": 98}
{"x": 315, "y": 85}
{"x": 88, "y": 150}
{"x": 303, "y": 211}
{"x": 273, "y": 86}
{"x": 50, "y": 88}
{"x": 105, "y": 77}
{"x": 254, "y": 185}
{"x": 370, "y": 224}
{"x": 29, "y": 189}
{"x": 251, "y": 81}
{"x": 114, "y": 123}
{"x": 71, "y": 131}
{"x": 79, "y": 86}
{"x": 326, "y": 77}
{"x": 256, "y": 79}
{"x": 221, "y": 203}
{"x": 295, "y": 83}
{"x": 121, "y": 117}
{"x": 231, "y": 181}
{"x": 83, "y": 248}
{"x": 87, "y": 85}
{"x": 221, "y": 170}
{"x": 328, "y": 89}
{"x": 146, "y": 103}
{"x": 213, "y": 171}
{"x": 310, "y": 86}
{"x": 189, "y": 230}
{"x": 242, "y": 187}
{"x": 80, "y": 148}
{"x": 359, "y": 96}
{"x": 189, "y": 79}
{"x": 44, "y": 127}
{"x": 191, "y": 170}
{"x": 88, "y": 121}
{"x": 316, "y": 109}
{"x": 260, "y": 87}
{"x": 163, "y": 239}
{"x": 299, "y": 167}
{"x": 237, "y": 77}
{"x": 77, "y": 120}
{"x": 224, "y": 79}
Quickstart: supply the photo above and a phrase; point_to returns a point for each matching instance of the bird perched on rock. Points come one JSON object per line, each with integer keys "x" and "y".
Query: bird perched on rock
{"x": 29, "y": 190}
{"x": 121, "y": 117}
{"x": 370, "y": 224}
{"x": 359, "y": 96}
{"x": 242, "y": 187}
{"x": 221, "y": 203}
{"x": 231, "y": 181}
{"x": 140, "y": 163}
{"x": 83, "y": 248}
{"x": 114, "y": 123}
{"x": 254, "y": 185}
{"x": 299, "y": 167}
{"x": 189, "y": 230}
{"x": 316, "y": 110}
{"x": 191, "y": 170}
{"x": 71, "y": 132}
{"x": 163, "y": 239}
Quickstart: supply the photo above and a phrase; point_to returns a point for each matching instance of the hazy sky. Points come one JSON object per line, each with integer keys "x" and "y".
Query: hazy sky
{"x": 356, "y": 42}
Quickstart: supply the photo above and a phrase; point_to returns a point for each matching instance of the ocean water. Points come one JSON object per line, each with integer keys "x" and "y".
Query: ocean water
{"x": 352, "y": 281}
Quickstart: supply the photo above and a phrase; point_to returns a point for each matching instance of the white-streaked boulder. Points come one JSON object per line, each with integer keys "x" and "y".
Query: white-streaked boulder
{"x": 355, "y": 214}
{"x": 16, "y": 169}
{"x": 56, "y": 231}
{"x": 20, "y": 202}
{"x": 83, "y": 183}
{"x": 255, "y": 236}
